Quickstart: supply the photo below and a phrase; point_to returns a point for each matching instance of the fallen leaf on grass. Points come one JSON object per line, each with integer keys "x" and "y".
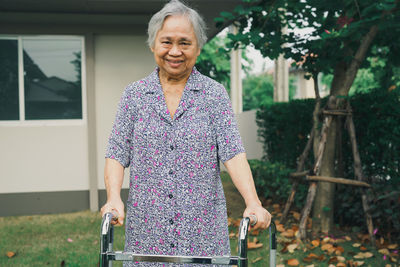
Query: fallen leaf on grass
{"x": 363, "y": 248}
{"x": 280, "y": 228}
{"x": 326, "y": 246}
{"x": 348, "y": 238}
{"x": 310, "y": 257}
{"x": 333, "y": 260}
{"x": 364, "y": 238}
{"x": 292, "y": 247}
{"x": 321, "y": 257}
{"x": 255, "y": 232}
{"x": 315, "y": 243}
{"x": 339, "y": 250}
{"x": 363, "y": 255}
{"x": 232, "y": 235}
{"x": 351, "y": 263}
{"x": 392, "y": 246}
{"x": 276, "y": 207}
{"x": 293, "y": 262}
{"x": 326, "y": 239}
{"x": 236, "y": 222}
{"x": 256, "y": 259}
{"x": 288, "y": 233}
{"x": 253, "y": 245}
{"x": 356, "y": 245}
{"x": 10, "y": 254}
{"x": 296, "y": 215}
{"x": 280, "y": 265}
{"x": 341, "y": 258}
{"x": 384, "y": 251}
{"x": 341, "y": 264}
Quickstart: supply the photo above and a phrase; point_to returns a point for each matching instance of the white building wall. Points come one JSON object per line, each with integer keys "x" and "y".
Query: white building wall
{"x": 248, "y": 131}
{"x": 119, "y": 60}
{"x": 43, "y": 158}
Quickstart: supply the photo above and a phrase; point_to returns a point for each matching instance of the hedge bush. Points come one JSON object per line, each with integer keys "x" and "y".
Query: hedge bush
{"x": 271, "y": 180}
{"x": 285, "y": 127}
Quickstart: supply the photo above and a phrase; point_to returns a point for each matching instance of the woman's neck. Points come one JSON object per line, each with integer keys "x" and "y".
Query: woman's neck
{"x": 170, "y": 80}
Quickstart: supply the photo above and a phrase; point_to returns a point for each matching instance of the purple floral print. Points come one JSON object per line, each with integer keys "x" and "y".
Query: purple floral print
{"x": 176, "y": 203}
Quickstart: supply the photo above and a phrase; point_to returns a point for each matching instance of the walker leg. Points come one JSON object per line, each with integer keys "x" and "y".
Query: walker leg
{"x": 243, "y": 231}
{"x": 272, "y": 245}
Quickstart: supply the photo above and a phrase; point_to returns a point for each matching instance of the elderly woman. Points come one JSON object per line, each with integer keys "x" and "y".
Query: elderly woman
{"x": 172, "y": 128}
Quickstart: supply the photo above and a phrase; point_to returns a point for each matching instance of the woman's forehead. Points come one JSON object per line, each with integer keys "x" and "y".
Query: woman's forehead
{"x": 177, "y": 25}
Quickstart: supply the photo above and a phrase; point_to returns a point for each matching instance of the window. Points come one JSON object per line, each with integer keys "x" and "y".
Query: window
{"x": 41, "y": 78}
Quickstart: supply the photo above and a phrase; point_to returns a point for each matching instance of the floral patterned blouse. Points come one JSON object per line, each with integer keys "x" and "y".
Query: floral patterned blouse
{"x": 176, "y": 203}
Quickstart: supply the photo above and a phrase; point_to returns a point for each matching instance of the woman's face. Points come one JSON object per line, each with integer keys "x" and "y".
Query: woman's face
{"x": 175, "y": 47}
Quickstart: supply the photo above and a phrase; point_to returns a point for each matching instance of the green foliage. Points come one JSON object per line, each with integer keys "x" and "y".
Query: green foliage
{"x": 335, "y": 29}
{"x": 271, "y": 180}
{"x": 284, "y": 126}
{"x": 214, "y": 61}
{"x": 379, "y": 73}
{"x": 257, "y": 91}
{"x": 377, "y": 120}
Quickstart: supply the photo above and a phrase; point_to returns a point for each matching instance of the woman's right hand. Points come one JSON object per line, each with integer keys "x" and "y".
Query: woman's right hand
{"x": 116, "y": 207}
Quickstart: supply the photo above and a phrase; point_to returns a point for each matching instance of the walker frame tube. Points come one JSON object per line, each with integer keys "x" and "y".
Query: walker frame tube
{"x": 107, "y": 255}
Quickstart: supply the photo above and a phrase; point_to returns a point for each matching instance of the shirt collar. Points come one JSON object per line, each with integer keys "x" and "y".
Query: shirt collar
{"x": 193, "y": 83}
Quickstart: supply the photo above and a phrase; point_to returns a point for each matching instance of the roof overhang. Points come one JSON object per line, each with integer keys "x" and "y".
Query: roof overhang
{"x": 96, "y": 16}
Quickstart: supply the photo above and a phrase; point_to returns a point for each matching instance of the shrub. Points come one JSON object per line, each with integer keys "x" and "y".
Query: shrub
{"x": 285, "y": 127}
{"x": 271, "y": 180}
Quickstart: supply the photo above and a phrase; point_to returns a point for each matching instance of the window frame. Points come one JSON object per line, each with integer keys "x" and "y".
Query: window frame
{"x": 21, "y": 86}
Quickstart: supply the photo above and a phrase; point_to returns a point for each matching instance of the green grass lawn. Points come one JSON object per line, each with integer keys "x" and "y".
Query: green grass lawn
{"x": 73, "y": 240}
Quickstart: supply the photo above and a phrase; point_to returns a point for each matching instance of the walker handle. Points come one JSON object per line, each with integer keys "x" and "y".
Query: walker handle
{"x": 107, "y": 255}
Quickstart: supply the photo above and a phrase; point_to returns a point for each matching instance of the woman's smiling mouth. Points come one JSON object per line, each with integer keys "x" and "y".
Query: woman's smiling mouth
{"x": 174, "y": 63}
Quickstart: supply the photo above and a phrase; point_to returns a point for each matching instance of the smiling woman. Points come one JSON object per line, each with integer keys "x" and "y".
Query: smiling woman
{"x": 172, "y": 128}
{"x": 175, "y": 49}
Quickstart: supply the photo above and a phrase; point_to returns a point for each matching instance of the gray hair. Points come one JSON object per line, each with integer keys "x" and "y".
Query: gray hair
{"x": 175, "y": 7}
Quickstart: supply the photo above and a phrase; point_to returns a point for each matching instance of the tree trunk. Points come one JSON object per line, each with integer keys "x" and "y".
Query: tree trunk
{"x": 323, "y": 205}
{"x": 344, "y": 76}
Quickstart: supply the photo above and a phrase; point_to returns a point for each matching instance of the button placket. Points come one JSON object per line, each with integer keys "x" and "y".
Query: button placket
{"x": 172, "y": 151}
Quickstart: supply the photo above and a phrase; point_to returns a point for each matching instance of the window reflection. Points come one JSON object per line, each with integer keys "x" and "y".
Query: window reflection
{"x": 9, "y": 102}
{"x": 52, "y": 77}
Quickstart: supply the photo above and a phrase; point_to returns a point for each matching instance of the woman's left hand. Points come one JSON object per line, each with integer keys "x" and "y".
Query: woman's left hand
{"x": 263, "y": 216}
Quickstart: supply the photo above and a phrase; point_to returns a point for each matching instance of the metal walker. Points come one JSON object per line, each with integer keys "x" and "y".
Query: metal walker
{"x": 107, "y": 255}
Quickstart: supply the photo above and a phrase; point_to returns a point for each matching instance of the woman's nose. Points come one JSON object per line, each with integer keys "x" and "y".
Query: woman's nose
{"x": 175, "y": 51}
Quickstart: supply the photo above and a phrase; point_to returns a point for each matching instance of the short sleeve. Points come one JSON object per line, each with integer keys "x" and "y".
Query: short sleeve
{"x": 120, "y": 139}
{"x": 229, "y": 142}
